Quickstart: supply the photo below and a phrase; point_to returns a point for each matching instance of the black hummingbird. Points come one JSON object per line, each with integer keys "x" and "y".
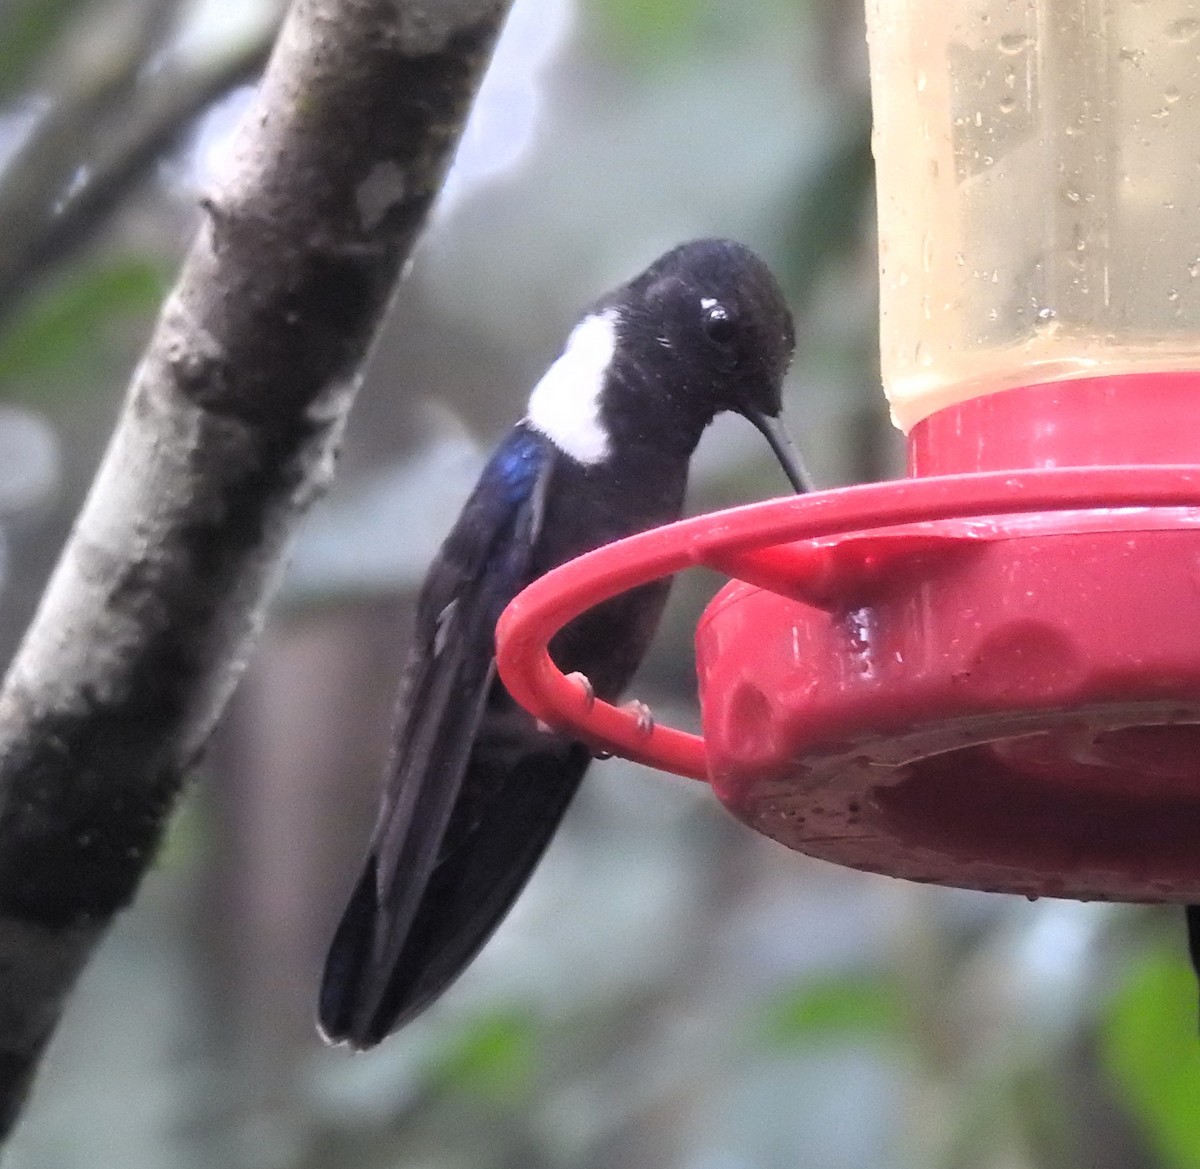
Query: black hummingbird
{"x": 477, "y": 787}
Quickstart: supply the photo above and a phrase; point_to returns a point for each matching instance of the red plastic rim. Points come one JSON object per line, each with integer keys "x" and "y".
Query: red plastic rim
{"x": 764, "y": 544}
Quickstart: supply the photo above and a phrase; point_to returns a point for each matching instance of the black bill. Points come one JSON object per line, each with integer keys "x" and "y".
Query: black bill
{"x": 780, "y": 442}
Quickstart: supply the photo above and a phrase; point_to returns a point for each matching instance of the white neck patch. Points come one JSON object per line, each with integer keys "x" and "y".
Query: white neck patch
{"x": 565, "y": 404}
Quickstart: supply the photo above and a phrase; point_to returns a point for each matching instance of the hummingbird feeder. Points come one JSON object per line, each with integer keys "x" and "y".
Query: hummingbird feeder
{"x": 987, "y": 673}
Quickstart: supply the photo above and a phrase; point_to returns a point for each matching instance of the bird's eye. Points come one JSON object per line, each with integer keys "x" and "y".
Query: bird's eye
{"x": 717, "y": 324}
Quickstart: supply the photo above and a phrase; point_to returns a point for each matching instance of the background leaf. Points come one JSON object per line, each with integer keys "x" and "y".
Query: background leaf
{"x": 494, "y": 1058}
{"x": 55, "y": 329}
{"x": 1150, "y": 1047}
{"x": 30, "y": 28}
{"x": 840, "y": 1006}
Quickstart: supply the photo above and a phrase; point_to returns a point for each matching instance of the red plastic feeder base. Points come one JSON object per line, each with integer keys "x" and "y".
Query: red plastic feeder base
{"x": 986, "y": 675}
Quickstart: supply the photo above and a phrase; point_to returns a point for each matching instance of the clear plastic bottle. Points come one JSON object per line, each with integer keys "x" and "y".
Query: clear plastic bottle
{"x": 1039, "y": 192}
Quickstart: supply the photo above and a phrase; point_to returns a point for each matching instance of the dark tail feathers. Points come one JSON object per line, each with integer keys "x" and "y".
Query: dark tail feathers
{"x": 349, "y": 957}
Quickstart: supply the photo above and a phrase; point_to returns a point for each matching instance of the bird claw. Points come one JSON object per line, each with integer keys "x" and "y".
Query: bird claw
{"x": 645, "y": 719}
{"x": 586, "y": 691}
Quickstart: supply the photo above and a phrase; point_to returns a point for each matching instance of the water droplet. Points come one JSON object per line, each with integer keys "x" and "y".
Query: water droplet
{"x": 926, "y": 309}
{"x": 922, "y": 354}
{"x": 1045, "y": 322}
{"x": 927, "y": 252}
{"x": 1171, "y": 94}
{"x": 1014, "y": 42}
{"x": 1194, "y": 268}
{"x": 922, "y": 81}
{"x": 961, "y": 260}
{"x": 1071, "y": 195}
{"x": 1181, "y": 31}
{"x": 1173, "y": 295}
{"x": 1007, "y": 105}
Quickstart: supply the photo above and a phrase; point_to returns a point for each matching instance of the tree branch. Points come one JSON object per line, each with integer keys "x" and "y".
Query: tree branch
{"x": 229, "y": 431}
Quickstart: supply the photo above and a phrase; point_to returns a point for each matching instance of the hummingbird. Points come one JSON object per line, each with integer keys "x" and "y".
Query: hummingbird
{"x": 476, "y": 786}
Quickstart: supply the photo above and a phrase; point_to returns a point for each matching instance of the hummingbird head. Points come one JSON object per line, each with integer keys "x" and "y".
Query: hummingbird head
{"x": 703, "y": 330}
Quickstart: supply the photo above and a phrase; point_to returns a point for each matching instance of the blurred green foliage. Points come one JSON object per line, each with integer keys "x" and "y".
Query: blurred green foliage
{"x": 668, "y": 33}
{"x": 30, "y": 28}
{"x": 841, "y": 1006}
{"x": 56, "y": 329}
{"x": 494, "y": 1058}
{"x": 1151, "y": 1048}
{"x": 650, "y": 32}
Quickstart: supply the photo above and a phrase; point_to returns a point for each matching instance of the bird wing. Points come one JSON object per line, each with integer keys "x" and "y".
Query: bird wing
{"x": 484, "y": 562}
{"x": 496, "y": 836}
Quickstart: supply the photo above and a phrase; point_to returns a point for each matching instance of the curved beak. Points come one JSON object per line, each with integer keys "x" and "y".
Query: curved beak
{"x": 780, "y": 442}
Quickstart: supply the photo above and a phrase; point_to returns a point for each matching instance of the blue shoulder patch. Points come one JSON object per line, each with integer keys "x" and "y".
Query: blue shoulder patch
{"x": 513, "y": 469}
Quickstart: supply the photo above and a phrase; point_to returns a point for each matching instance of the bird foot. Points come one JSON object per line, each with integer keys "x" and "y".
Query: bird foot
{"x": 645, "y": 719}
{"x": 586, "y": 691}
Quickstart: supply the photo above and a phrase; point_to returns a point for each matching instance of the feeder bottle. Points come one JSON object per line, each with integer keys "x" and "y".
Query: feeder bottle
{"x": 1039, "y": 193}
